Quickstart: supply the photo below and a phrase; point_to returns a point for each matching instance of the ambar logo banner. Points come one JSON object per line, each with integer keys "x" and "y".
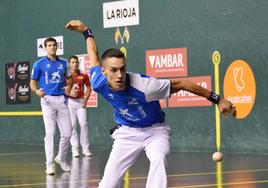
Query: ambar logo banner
{"x": 240, "y": 87}
{"x": 185, "y": 98}
{"x": 166, "y": 62}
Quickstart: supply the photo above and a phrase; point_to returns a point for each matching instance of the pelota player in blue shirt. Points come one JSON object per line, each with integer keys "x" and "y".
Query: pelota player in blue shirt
{"x": 48, "y": 82}
{"x": 141, "y": 123}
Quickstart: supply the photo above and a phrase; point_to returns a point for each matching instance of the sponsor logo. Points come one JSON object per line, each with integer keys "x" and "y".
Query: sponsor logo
{"x": 138, "y": 116}
{"x": 166, "y": 62}
{"x": 12, "y": 92}
{"x": 132, "y": 101}
{"x": 60, "y": 66}
{"x": 185, "y": 98}
{"x": 23, "y": 89}
{"x": 111, "y": 96}
{"x": 118, "y": 36}
{"x": 124, "y": 50}
{"x": 240, "y": 87}
{"x": 121, "y": 13}
{"x": 41, "y": 52}
{"x": 55, "y": 75}
{"x": 23, "y": 68}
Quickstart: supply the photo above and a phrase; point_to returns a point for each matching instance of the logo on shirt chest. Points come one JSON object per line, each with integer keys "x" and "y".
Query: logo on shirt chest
{"x": 111, "y": 96}
{"x": 132, "y": 101}
{"x": 60, "y": 66}
{"x": 80, "y": 78}
{"x": 55, "y": 75}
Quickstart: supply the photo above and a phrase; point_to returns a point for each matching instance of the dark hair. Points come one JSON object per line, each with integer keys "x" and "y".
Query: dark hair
{"x": 113, "y": 52}
{"x": 50, "y": 39}
{"x": 73, "y": 57}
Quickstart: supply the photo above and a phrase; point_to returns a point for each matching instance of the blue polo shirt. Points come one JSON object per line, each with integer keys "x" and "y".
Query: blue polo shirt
{"x": 50, "y": 75}
{"x": 138, "y": 105}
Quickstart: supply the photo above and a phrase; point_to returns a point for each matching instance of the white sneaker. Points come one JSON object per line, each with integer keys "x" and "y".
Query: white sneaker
{"x": 50, "y": 170}
{"x": 75, "y": 154}
{"x": 87, "y": 153}
{"x": 64, "y": 166}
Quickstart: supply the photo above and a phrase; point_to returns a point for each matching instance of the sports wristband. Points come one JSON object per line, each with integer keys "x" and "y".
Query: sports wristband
{"x": 87, "y": 33}
{"x": 214, "y": 98}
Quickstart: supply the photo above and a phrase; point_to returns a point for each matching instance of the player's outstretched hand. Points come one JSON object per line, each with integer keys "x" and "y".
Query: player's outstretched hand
{"x": 227, "y": 108}
{"x": 76, "y": 25}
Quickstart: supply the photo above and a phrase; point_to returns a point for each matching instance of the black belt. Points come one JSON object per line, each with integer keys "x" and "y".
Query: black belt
{"x": 119, "y": 125}
{"x": 114, "y": 128}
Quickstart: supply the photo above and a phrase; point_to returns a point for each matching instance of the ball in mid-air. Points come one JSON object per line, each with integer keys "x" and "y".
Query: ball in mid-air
{"x": 217, "y": 156}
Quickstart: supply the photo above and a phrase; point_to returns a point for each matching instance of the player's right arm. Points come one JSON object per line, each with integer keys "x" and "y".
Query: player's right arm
{"x": 34, "y": 87}
{"x": 35, "y": 76}
{"x": 225, "y": 106}
{"x": 78, "y": 26}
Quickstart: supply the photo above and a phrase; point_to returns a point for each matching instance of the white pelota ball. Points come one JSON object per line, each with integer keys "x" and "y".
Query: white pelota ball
{"x": 217, "y": 156}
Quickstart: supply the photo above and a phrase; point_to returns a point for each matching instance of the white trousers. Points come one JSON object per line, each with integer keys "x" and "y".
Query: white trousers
{"x": 128, "y": 144}
{"x": 55, "y": 111}
{"x": 77, "y": 112}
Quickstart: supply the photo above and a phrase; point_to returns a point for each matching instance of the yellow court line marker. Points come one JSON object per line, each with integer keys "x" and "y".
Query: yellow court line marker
{"x": 219, "y": 175}
{"x": 30, "y": 113}
{"x": 126, "y": 180}
{"x": 216, "y": 58}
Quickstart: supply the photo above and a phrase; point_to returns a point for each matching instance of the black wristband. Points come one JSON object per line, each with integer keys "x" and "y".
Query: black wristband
{"x": 88, "y": 33}
{"x": 214, "y": 98}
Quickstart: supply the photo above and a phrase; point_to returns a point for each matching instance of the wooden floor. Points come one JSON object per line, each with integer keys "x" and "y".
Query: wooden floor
{"x": 23, "y": 166}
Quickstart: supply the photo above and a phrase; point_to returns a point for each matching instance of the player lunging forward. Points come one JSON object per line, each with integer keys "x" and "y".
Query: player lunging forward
{"x": 141, "y": 122}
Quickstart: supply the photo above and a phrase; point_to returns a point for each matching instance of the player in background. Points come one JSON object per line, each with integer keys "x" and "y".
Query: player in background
{"x": 77, "y": 107}
{"x": 48, "y": 82}
{"x": 140, "y": 121}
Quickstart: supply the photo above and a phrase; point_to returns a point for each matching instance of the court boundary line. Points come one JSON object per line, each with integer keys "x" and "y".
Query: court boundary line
{"x": 36, "y": 152}
{"x": 231, "y": 183}
{"x": 22, "y": 113}
{"x": 169, "y": 176}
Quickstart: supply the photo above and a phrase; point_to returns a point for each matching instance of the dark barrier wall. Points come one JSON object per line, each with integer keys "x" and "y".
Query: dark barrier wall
{"x": 236, "y": 28}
